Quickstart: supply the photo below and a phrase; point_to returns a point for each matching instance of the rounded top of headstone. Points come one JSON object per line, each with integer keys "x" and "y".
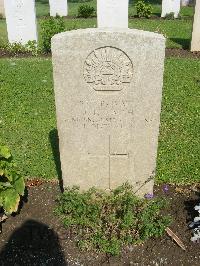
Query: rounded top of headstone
{"x": 79, "y": 32}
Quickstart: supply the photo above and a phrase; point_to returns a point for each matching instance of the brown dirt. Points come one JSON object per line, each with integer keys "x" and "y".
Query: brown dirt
{"x": 157, "y": 16}
{"x": 6, "y": 54}
{"x": 35, "y": 236}
{"x": 170, "y": 52}
{"x": 181, "y": 53}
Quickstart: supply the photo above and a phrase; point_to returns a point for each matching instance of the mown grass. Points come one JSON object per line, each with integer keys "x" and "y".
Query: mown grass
{"x": 177, "y": 32}
{"x": 179, "y": 157}
{"x": 28, "y": 122}
{"x": 27, "y": 113}
{"x": 42, "y": 8}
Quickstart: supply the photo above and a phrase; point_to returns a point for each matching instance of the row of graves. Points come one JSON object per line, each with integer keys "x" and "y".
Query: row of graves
{"x": 60, "y": 7}
{"x": 22, "y": 26}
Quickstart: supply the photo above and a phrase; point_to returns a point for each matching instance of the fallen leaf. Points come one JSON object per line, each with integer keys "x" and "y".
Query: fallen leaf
{"x": 175, "y": 238}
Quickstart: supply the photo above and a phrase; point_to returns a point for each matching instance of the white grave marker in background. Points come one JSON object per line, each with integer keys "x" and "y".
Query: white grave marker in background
{"x": 112, "y": 13}
{"x": 185, "y": 2}
{"x": 170, "y": 6}
{"x": 21, "y": 20}
{"x": 58, "y": 7}
{"x": 195, "y": 44}
{"x": 2, "y": 11}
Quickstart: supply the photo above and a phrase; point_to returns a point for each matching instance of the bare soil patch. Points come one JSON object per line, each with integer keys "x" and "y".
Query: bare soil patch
{"x": 169, "y": 52}
{"x": 181, "y": 53}
{"x": 35, "y": 236}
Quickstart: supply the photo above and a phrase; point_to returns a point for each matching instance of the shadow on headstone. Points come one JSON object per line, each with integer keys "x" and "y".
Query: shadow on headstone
{"x": 185, "y": 43}
{"x": 34, "y": 243}
{"x": 155, "y": 2}
{"x": 54, "y": 140}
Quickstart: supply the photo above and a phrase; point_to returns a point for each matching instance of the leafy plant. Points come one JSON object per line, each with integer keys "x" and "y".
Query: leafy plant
{"x": 143, "y": 9}
{"x": 49, "y": 27}
{"x": 170, "y": 16}
{"x": 85, "y": 11}
{"x": 31, "y": 47}
{"x": 18, "y": 48}
{"x": 11, "y": 183}
{"x": 107, "y": 221}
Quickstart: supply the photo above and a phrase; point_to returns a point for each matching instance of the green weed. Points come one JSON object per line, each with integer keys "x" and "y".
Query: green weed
{"x": 108, "y": 221}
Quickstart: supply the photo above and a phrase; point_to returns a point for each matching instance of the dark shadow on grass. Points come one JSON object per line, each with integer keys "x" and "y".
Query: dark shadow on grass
{"x": 34, "y": 243}
{"x": 155, "y": 2}
{"x": 46, "y": 2}
{"x": 185, "y": 43}
{"x": 54, "y": 140}
{"x": 156, "y": 14}
{"x": 152, "y": 2}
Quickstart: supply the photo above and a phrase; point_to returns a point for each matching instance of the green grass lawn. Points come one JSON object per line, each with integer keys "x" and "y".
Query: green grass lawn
{"x": 177, "y": 32}
{"x": 28, "y": 122}
{"x": 42, "y": 8}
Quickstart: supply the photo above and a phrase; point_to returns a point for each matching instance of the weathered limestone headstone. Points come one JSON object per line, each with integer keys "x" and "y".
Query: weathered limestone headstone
{"x": 58, "y": 7}
{"x": 170, "y": 6}
{"x": 2, "y": 10}
{"x": 195, "y": 44}
{"x": 108, "y": 101}
{"x": 112, "y": 13}
{"x": 21, "y": 20}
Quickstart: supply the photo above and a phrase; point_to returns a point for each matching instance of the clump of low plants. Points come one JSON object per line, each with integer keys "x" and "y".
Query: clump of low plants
{"x": 17, "y": 48}
{"x": 85, "y": 11}
{"x": 143, "y": 9}
{"x": 169, "y": 16}
{"x": 12, "y": 184}
{"x": 49, "y": 27}
{"x": 106, "y": 222}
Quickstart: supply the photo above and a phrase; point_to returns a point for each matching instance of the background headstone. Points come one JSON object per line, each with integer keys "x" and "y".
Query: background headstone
{"x": 195, "y": 44}
{"x": 21, "y": 20}
{"x": 170, "y": 6}
{"x": 108, "y": 102}
{"x": 112, "y": 13}
{"x": 185, "y": 2}
{"x": 2, "y": 11}
{"x": 58, "y": 7}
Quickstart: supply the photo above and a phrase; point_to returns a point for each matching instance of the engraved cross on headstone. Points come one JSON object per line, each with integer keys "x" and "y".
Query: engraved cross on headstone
{"x": 115, "y": 155}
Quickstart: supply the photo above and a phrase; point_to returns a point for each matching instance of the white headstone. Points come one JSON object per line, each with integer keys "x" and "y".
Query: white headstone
{"x": 58, "y": 7}
{"x": 21, "y": 20}
{"x": 2, "y": 11}
{"x": 108, "y": 102}
{"x": 112, "y": 13}
{"x": 170, "y": 6}
{"x": 195, "y": 44}
{"x": 185, "y": 2}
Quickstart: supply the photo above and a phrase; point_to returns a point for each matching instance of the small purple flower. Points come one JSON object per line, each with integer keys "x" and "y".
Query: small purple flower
{"x": 149, "y": 196}
{"x": 165, "y": 188}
